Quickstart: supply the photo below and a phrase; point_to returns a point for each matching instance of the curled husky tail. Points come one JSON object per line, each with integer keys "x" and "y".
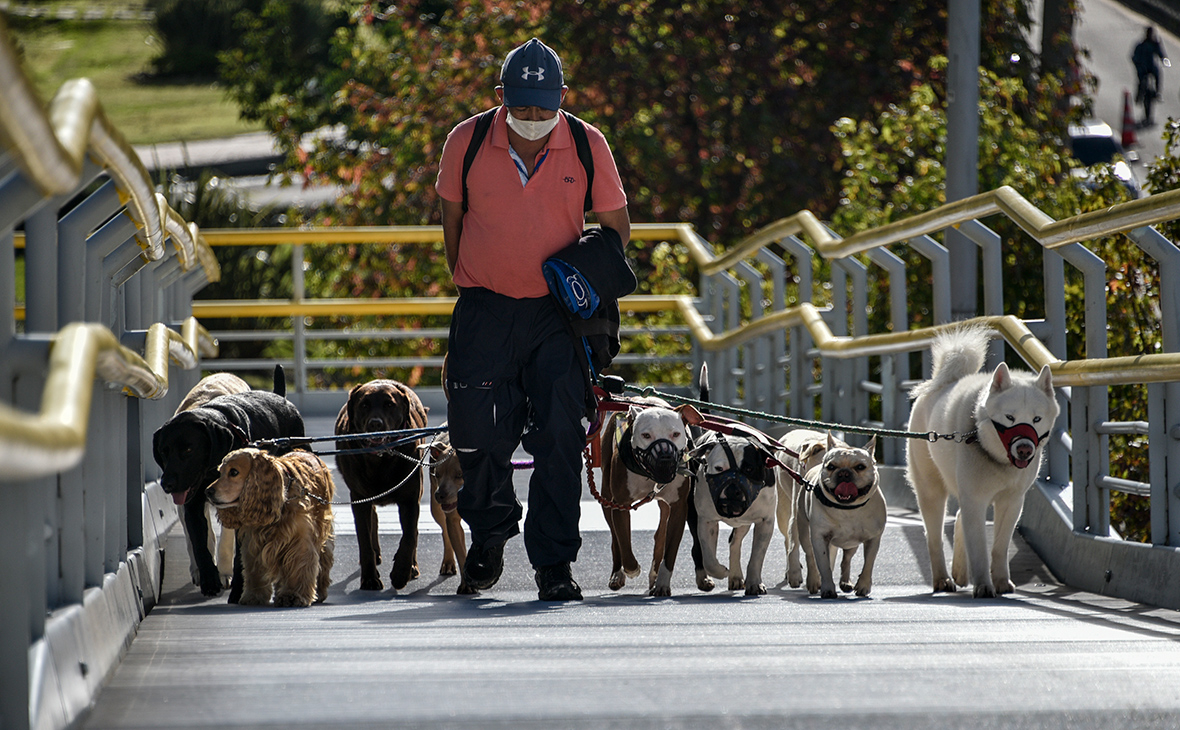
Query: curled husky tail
{"x": 956, "y": 353}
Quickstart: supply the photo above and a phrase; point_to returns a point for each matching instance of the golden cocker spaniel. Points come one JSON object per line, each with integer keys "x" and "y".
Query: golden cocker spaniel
{"x": 280, "y": 506}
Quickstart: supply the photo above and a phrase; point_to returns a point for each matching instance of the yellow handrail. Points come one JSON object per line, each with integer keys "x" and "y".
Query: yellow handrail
{"x": 54, "y": 440}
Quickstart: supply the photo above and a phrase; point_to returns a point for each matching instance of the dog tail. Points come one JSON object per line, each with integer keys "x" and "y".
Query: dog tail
{"x": 280, "y": 381}
{"x": 703, "y": 384}
{"x": 956, "y": 354}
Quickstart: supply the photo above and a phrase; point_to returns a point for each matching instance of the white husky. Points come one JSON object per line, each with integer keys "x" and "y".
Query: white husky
{"x": 1011, "y": 415}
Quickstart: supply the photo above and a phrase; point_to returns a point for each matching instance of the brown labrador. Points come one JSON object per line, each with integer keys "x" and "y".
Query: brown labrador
{"x": 386, "y": 477}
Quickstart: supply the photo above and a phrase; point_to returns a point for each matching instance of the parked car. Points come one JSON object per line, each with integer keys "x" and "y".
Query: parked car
{"x": 1093, "y": 142}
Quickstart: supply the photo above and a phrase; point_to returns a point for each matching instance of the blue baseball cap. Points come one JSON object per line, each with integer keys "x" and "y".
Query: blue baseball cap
{"x": 531, "y": 76}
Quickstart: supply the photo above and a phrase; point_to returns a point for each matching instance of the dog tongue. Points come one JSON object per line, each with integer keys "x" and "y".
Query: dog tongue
{"x": 180, "y": 497}
{"x": 846, "y": 491}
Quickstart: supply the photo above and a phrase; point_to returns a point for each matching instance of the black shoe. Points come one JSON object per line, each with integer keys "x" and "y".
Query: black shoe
{"x": 483, "y": 566}
{"x": 556, "y": 583}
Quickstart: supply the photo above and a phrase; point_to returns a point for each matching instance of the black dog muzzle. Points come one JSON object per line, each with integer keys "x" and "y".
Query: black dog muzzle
{"x": 736, "y": 488}
{"x": 660, "y": 459}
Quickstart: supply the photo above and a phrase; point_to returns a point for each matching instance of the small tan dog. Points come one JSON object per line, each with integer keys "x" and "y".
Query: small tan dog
{"x": 281, "y": 508}
{"x": 804, "y": 451}
{"x": 842, "y": 507}
{"x": 446, "y": 479}
{"x": 641, "y": 453}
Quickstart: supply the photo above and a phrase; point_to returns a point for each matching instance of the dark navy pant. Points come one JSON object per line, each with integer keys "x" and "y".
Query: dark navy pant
{"x": 513, "y": 377}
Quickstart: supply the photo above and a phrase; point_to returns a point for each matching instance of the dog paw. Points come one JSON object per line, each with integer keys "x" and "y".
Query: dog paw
{"x": 255, "y": 599}
{"x": 704, "y": 582}
{"x": 863, "y": 588}
{"x": 632, "y": 572}
{"x": 756, "y": 589}
{"x": 794, "y": 578}
{"x": 465, "y": 590}
{"x": 1003, "y": 586}
{"x": 660, "y": 591}
{"x": 618, "y": 579}
{"x": 944, "y": 585}
{"x": 813, "y": 586}
{"x": 737, "y": 583}
{"x": 449, "y": 567}
{"x": 985, "y": 590}
{"x": 291, "y": 600}
{"x": 211, "y": 587}
{"x": 846, "y": 586}
{"x": 829, "y": 593}
{"x": 372, "y": 584}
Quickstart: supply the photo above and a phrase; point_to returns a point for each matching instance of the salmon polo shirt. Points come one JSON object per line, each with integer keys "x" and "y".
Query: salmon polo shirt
{"x": 511, "y": 227}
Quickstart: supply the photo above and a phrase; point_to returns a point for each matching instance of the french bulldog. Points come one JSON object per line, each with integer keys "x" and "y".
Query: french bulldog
{"x": 842, "y": 507}
{"x": 803, "y": 450}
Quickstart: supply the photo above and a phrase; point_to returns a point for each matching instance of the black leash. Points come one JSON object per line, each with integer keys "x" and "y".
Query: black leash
{"x": 615, "y": 385}
{"x": 400, "y": 438}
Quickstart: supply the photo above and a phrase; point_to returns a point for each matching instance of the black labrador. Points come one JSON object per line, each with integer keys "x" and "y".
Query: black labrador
{"x": 189, "y": 448}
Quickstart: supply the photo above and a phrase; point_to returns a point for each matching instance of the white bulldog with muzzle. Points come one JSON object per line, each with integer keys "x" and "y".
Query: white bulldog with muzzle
{"x": 734, "y": 485}
{"x": 841, "y": 506}
{"x": 642, "y": 452}
{"x": 1008, "y": 415}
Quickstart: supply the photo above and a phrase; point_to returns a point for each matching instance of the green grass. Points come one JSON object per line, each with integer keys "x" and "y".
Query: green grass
{"x": 116, "y": 55}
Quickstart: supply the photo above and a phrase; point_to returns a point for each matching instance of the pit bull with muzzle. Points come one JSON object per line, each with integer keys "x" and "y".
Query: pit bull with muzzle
{"x": 840, "y": 506}
{"x": 642, "y": 453}
{"x": 734, "y": 485}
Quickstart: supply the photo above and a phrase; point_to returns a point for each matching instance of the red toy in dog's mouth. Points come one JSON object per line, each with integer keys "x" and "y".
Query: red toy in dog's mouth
{"x": 846, "y": 491}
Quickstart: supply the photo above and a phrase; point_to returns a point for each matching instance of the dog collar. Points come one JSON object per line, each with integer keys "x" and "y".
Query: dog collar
{"x": 1015, "y": 436}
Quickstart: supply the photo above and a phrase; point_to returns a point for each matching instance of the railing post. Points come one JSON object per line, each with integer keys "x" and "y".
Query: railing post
{"x": 1167, "y": 255}
{"x": 41, "y": 266}
{"x": 297, "y": 324}
{"x": 15, "y": 606}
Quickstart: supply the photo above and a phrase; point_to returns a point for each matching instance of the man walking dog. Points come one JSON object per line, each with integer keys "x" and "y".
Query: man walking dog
{"x": 514, "y": 192}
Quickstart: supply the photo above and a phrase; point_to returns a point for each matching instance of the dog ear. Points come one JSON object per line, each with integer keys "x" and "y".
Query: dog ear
{"x": 871, "y": 446}
{"x": 350, "y": 409}
{"x": 1001, "y": 378}
{"x": 1045, "y": 381}
{"x": 814, "y": 448}
{"x": 264, "y": 492}
{"x": 221, "y": 438}
{"x": 689, "y": 414}
{"x": 156, "y": 438}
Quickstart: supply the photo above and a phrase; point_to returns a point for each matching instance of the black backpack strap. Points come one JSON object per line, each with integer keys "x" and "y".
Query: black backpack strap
{"x": 582, "y": 144}
{"x": 482, "y": 124}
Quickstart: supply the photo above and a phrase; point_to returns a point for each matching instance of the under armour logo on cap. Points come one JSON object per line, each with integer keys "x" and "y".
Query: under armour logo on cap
{"x": 531, "y": 76}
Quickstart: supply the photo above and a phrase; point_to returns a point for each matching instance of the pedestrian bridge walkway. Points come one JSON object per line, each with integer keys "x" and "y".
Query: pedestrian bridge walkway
{"x": 1046, "y": 657}
{"x": 100, "y": 338}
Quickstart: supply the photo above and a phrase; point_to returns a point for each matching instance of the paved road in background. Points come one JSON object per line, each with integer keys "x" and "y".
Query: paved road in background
{"x": 1109, "y": 32}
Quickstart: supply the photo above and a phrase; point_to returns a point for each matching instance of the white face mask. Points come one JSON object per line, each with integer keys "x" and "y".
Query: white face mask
{"x": 531, "y": 130}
